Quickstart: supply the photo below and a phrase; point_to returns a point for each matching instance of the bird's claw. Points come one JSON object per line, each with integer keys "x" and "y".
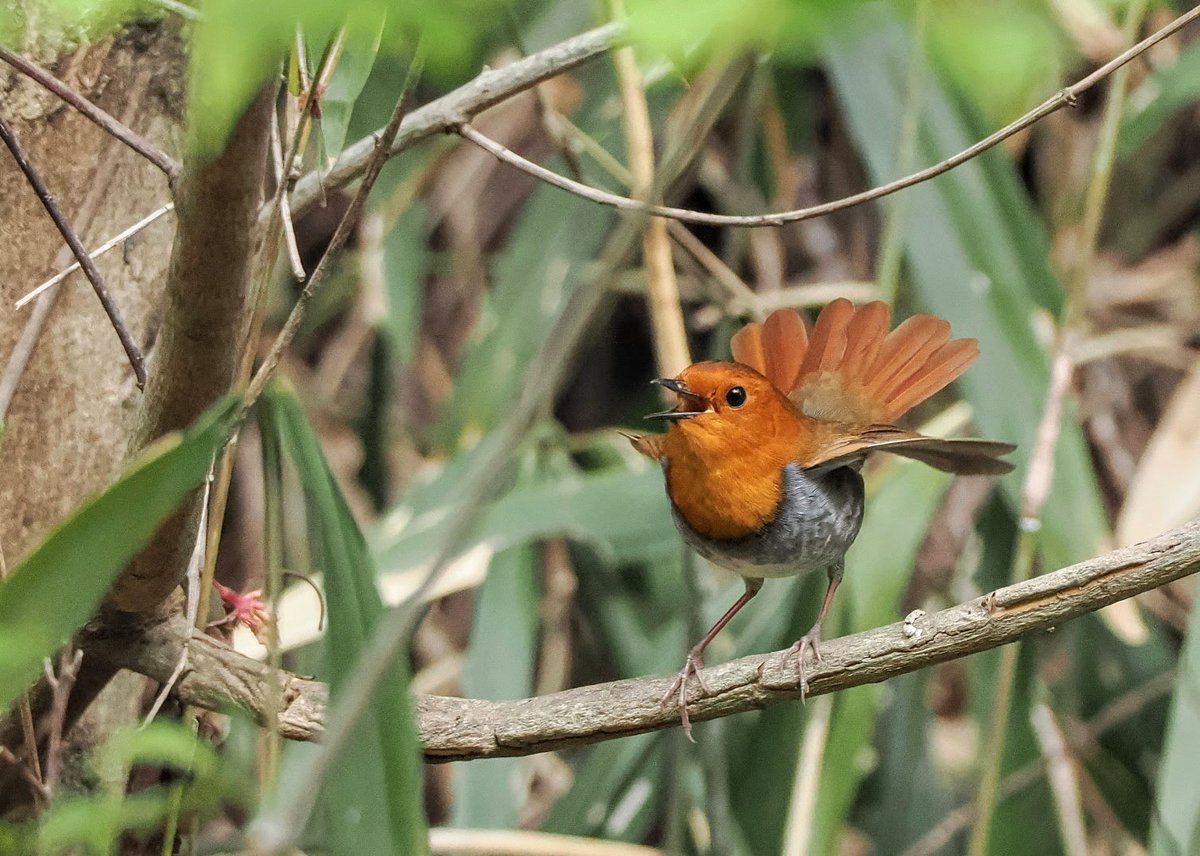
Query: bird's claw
{"x": 808, "y": 642}
{"x": 691, "y": 669}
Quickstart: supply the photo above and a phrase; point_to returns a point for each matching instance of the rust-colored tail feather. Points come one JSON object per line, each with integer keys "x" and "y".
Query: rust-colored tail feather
{"x": 785, "y": 344}
{"x": 851, "y": 369}
{"x": 828, "y": 343}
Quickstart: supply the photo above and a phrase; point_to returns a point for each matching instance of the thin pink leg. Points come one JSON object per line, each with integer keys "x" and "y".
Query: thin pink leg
{"x": 695, "y": 659}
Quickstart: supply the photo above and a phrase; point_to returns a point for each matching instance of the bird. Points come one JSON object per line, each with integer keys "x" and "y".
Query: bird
{"x": 762, "y": 456}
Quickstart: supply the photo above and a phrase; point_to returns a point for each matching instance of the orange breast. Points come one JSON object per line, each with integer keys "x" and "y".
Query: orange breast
{"x": 726, "y": 499}
{"x": 728, "y": 485}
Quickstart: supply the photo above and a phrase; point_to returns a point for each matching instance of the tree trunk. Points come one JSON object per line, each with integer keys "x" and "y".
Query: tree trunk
{"x": 74, "y": 407}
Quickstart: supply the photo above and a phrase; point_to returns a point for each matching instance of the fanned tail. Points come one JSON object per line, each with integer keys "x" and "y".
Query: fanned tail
{"x": 775, "y": 348}
{"x": 851, "y": 369}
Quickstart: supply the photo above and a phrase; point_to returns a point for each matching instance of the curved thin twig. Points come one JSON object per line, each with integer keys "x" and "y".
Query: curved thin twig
{"x": 1064, "y": 98}
{"x": 445, "y": 114}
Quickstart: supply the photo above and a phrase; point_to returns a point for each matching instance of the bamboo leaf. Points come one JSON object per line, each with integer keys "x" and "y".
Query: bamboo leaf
{"x": 978, "y": 256}
{"x": 60, "y": 584}
{"x": 373, "y": 798}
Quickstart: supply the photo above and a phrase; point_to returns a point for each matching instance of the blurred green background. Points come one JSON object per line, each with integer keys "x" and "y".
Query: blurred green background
{"x": 436, "y": 323}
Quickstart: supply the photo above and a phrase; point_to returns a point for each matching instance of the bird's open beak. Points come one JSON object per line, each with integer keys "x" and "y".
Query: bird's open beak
{"x": 685, "y": 394}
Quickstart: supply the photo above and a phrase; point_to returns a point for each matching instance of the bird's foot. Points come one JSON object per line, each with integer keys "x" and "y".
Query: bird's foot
{"x": 691, "y": 669}
{"x": 808, "y": 642}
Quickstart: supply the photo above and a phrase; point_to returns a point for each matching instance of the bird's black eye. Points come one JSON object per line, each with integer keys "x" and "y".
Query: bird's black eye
{"x": 736, "y": 397}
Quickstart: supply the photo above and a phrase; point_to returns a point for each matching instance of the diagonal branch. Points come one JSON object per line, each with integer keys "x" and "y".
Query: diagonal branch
{"x": 78, "y": 250}
{"x": 456, "y": 729}
{"x": 197, "y": 353}
{"x": 448, "y": 112}
{"x": 106, "y": 121}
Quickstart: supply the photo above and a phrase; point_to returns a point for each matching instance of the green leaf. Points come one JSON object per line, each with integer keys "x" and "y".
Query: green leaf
{"x": 61, "y": 583}
{"x": 499, "y": 665}
{"x": 405, "y": 265}
{"x": 978, "y": 256}
{"x": 363, "y": 32}
{"x": 622, "y": 513}
{"x": 1159, "y": 97}
{"x": 238, "y": 46}
{"x": 373, "y": 800}
{"x": 1004, "y": 55}
{"x": 613, "y": 795}
{"x": 538, "y": 271}
{"x": 1177, "y": 827}
{"x": 690, "y": 31}
{"x": 97, "y": 820}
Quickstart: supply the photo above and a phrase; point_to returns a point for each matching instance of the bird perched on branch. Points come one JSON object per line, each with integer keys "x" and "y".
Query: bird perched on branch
{"x": 762, "y": 455}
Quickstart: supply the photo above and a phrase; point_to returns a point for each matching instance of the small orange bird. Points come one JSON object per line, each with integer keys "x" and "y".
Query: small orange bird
{"x": 762, "y": 455}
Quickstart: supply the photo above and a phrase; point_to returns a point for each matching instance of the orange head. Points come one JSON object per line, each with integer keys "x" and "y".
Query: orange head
{"x": 723, "y": 408}
{"x": 729, "y": 439}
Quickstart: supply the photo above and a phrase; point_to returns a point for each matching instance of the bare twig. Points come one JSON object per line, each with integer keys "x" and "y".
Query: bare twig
{"x": 461, "y": 729}
{"x": 60, "y": 687}
{"x": 1064, "y": 786}
{"x": 285, "y": 212}
{"x": 106, "y": 121}
{"x": 22, "y": 352}
{"x": 114, "y": 241}
{"x": 662, "y": 291}
{"x": 806, "y": 782}
{"x": 81, "y": 254}
{"x": 349, "y": 220}
{"x": 27, "y": 773}
{"x": 1064, "y": 98}
{"x": 446, "y": 113}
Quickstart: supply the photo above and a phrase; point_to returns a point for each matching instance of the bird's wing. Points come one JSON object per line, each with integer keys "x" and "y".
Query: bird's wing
{"x": 851, "y": 369}
{"x": 962, "y": 456}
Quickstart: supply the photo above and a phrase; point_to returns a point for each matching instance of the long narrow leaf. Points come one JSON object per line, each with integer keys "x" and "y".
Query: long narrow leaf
{"x": 978, "y": 256}
{"x": 373, "y": 798}
{"x": 61, "y": 583}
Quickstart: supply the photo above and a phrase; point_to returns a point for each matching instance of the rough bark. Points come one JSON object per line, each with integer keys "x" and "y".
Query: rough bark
{"x": 68, "y": 427}
{"x": 75, "y": 406}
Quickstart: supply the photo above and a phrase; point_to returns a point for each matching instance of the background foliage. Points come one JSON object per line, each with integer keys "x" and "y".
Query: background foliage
{"x": 413, "y": 355}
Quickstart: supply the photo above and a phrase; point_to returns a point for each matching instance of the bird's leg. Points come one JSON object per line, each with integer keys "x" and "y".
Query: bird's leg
{"x": 695, "y": 657}
{"x": 809, "y": 641}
